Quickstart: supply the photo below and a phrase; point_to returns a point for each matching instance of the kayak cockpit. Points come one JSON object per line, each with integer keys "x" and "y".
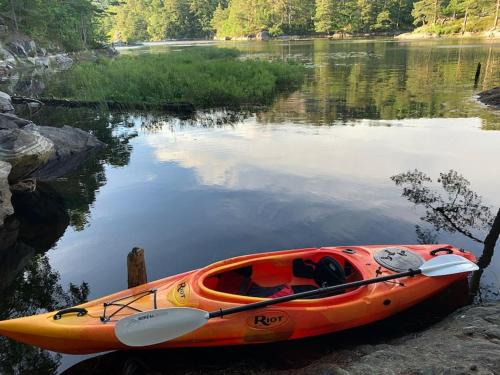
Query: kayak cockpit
{"x": 272, "y": 277}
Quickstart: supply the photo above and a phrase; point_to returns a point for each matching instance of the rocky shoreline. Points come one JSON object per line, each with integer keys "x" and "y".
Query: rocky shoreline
{"x": 29, "y": 152}
{"x": 19, "y": 54}
{"x": 492, "y": 34}
{"x": 466, "y": 342}
{"x": 490, "y": 97}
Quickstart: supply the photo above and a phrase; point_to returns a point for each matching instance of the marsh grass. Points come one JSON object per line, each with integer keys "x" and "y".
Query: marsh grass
{"x": 205, "y": 77}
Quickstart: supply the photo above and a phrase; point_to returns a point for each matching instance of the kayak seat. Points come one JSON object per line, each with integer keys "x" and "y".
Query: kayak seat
{"x": 305, "y": 275}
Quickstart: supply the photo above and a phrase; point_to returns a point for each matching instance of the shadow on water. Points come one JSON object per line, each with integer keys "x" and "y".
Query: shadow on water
{"x": 28, "y": 285}
{"x": 34, "y": 290}
{"x": 40, "y": 219}
{"x": 80, "y": 186}
{"x": 340, "y": 347}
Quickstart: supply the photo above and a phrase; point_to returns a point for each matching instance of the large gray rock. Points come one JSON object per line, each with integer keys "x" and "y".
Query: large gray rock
{"x": 42, "y": 61}
{"x": 21, "y": 45}
{"x": 6, "y": 57}
{"x": 72, "y": 146}
{"x": 5, "y": 103}
{"x": 25, "y": 150}
{"x": 11, "y": 121}
{"x": 491, "y": 97}
{"x": 263, "y": 35}
{"x": 5, "y": 195}
{"x": 63, "y": 61}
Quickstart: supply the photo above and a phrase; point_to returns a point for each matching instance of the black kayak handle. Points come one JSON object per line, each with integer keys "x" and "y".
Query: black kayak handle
{"x": 79, "y": 312}
{"x": 440, "y": 250}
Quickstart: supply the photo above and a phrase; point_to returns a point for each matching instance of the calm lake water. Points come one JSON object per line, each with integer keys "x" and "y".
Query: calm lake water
{"x": 313, "y": 169}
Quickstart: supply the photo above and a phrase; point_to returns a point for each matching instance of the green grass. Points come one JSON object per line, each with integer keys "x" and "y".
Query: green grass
{"x": 205, "y": 77}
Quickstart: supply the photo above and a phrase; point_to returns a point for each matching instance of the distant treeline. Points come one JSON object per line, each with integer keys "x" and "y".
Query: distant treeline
{"x": 165, "y": 19}
{"x": 77, "y": 24}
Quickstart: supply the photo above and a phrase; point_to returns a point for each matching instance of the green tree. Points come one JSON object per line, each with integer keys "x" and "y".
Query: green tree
{"x": 382, "y": 15}
{"x": 243, "y": 18}
{"x": 472, "y": 9}
{"x": 336, "y": 16}
{"x": 426, "y": 12}
{"x": 497, "y": 10}
{"x": 219, "y": 19}
{"x": 383, "y": 21}
{"x": 203, "y": 11}
{"x": 158, "y": 20}
{"x": 325, "y": 20}
{"x": 72, "y": 24}
{"x": 130, "y": 21}
{"x": 293, "y": 16}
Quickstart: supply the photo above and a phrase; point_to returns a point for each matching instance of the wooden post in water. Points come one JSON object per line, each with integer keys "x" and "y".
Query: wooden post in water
{"x": 478, "y": 74}
{"x": 136, "y": 268}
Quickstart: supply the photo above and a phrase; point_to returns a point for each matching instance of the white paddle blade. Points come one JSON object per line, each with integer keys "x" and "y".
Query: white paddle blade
{"x": 157, "y": 326}
{"x": 447, "y": 265}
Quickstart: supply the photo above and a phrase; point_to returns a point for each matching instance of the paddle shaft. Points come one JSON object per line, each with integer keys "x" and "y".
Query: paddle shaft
{"x": 310, "y": 293}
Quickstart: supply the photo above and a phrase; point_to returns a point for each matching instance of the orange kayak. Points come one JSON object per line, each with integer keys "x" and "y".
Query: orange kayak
{"x": 89, "y": 328}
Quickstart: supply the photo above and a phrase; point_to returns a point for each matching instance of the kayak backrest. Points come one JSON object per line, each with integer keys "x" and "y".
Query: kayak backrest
{"x": 329, "y": 272}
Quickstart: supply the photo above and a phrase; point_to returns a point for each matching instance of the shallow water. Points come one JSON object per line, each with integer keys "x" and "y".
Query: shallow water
{"x": 313, "y": 169}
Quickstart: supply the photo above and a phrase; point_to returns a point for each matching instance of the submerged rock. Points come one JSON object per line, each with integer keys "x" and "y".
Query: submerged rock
{"x": 72, "y": 146}
{"x": 5, "y": 195}
{"x": 26, "y": 151}
{"x": 491, "y": 97}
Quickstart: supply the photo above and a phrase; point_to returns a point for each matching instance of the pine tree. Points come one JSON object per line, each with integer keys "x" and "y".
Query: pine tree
{"x": 426, "y": 12}
{"x": 324, "y": 20}
{"x": 292, "y": 16}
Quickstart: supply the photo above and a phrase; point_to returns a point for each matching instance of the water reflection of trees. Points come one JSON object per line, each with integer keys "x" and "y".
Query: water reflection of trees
{"x": 35, "y": 290}
{"x": 202, "y": 119}
{"x": 456, "y": 209}
{"x": 40, "y": 219}
{"x": 79, "y": 187}
{"x": 388, "y": 81}
{"x": 28, "y": 285}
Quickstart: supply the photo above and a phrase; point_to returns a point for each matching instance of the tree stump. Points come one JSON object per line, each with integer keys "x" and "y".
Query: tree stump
{"x": 136, "y": 268}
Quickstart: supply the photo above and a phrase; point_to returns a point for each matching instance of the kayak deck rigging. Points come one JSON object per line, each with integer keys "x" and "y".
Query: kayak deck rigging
{"x": 127, "y": 305}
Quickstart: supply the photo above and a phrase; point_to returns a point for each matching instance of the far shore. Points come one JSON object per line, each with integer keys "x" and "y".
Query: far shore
{"x": 487, "y": 35}
{"x": 491, "y": 36}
